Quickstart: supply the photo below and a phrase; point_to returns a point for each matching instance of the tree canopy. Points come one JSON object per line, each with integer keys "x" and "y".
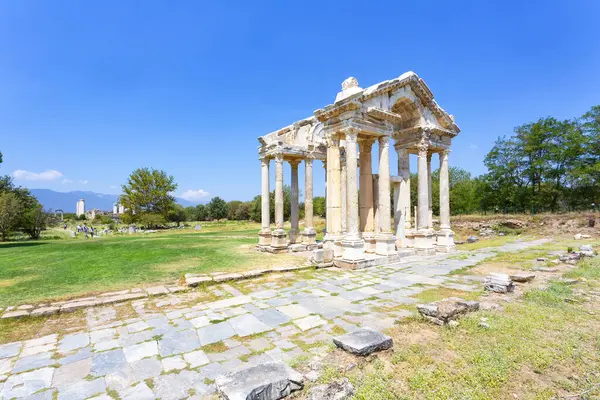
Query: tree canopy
{"x": 148, "y": 191}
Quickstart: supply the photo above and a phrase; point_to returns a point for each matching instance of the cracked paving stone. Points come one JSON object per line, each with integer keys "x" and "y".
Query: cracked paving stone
{"x": 196, "y": 358}
{"x": 73, "y": 342}
{"x": 215, "y": 333}
{"x": 33, "y": 362}
{"x": 70, "y": 374}
{"x": 140, "y": 391}
{"x": 173, "y": 363}
{"x": 247, "y": 324}
{"x": 83, "y": 390}
{"x": 179, "y": 342}
{"x": 294, "y": 311}
{"x": 108, "y": 362}
{"x": 146, "y": 368}
{"x": 140, "y": 351}
{"x": 26, "y": 384}
{"x": 10, "y": 349}
{"x": 259, "y": 344}
{"x": 312, "y": 321}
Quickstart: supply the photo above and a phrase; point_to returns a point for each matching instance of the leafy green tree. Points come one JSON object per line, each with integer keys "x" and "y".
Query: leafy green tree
{"x": 34, "y": 221}
{"x": 151, "y": 220}
{"x": 176, "y": 214}
{"x": 232, "y": 208}
{"x": 319, "y": 206}
{"x": 216, "y": 208}
{"x": 148, "y": 191}
{"x": 243, "y": 211}
{"x": 10, "y": 213}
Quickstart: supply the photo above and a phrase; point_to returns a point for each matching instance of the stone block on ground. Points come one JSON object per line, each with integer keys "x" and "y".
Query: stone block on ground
{"x": 499, "y": 283}
{"x": 337, "y": 390}
{"x": 197, "y": 280}
{"x": 443, "y": 311}
{"x": 363, "y": 342}
{"x": 268, "y": 381}
{"x": 522, "y": 278}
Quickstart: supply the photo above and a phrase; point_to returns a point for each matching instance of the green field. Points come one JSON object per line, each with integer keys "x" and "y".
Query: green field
{"x": 37, "y": 271}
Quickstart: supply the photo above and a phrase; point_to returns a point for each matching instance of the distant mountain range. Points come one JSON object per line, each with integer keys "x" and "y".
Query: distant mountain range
{"x": 67, "y": 201}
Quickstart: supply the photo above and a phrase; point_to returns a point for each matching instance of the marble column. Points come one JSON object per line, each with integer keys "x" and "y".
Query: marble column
{"x": 334, "y": 227}
{"x": 265, "y": 232}
{"x": 385, "y": 240}
{"x": 294, "y": 202}
{"x": 309, "y": 234}
{"x": 367, "y": 212}
{"x": 278, "y": 235}
{"x": 343, "y": 192}
{"x": 353, "y": 244}
{"x": 424, "y": 238}
{"x": 402, "y": 211}
{"x": 429, "y": 183}
{"x": 445, "y": 237}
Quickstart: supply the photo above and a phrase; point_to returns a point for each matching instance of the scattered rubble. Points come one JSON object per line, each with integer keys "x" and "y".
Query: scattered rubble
{"x": 443, "y": 311}
{"x": 544, "y": 269}
{"x": 486, "y": 231}
{"x": 499, "y": 283}
{"x": 587, "y": 250}
{"x": 472, "y": 239}
{"x": 522, "y": 277}
{"x": 267, "y": 381}
{"x": 570, "y": 258}
{"x": 337, "y": 390}
{"x": 580, "y": 236}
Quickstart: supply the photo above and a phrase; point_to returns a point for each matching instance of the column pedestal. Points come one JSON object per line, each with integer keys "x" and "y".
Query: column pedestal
{"x": 425, "y": 241}
{"x": 309, "y": 236}
{"x": 445, "y": 241}
{"x": 370, "y": 242}
{"x": 385, "y": 244}
{"x": 279, "y": 240}
{"x": 264, "y": 238}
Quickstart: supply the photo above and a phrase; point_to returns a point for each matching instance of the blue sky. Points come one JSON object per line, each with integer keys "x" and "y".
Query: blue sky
{"x": 89, "y": 91}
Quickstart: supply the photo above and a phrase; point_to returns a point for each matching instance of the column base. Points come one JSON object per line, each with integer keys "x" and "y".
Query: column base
{"x": 279, "y": 239}
{"x": 385, "y": 244}
{"x": 409, "y": 237}
{"x": 354, "y": 249}
{"x": 264, "y": 238}
{"x": 334, "y": 243}
{"x": 293, "y": 235}
{"x": 370, "y": 243}
{"x": 425, "y": 242}
{"x": 309, "y": 236}
{"x": 445, "y": 241}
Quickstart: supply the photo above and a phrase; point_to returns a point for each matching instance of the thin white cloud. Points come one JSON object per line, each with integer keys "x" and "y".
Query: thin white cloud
{"x": 473, "y": 146}
{"x": 49, "y": 175}
{"x": 84, "y": 182}
{"x": 66, "y": 181}
{"x": 113, "y": 187}
{"x": 194, "y": 195}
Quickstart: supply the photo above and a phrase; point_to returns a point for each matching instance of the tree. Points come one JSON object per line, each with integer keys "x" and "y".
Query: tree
{"x": 10, "y": 210}
{"x": 151, "y": 220}
{"x": 176, "y": 214}
{"x": 243, "y": 211}
{"x": 216, "y": 208}
{"x": 34, "y": 221}
{"x": 232, "y": 207}
{"x": 148, "y": 191}
{"x": 319, "y": 206}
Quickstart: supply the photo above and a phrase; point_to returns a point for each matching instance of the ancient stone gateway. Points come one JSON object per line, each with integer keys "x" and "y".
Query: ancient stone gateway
{"x": 359, "y": 211}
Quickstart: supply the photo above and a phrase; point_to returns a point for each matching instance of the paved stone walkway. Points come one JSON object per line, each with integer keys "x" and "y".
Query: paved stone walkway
{"x": 178, "y": 345}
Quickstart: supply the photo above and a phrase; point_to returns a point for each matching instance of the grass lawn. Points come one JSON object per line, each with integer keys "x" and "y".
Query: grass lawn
{"x": 37, "y": 271}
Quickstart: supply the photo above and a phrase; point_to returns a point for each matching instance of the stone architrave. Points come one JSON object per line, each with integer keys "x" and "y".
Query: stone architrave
{"x": 265, "y": 232}
{"x": 294, "y": 202}
{"x": 385, "y": 241}
{"x": 309, "y": 234}
{"x": 353, "y": 244}
{"x": 367, "y": 211}
{"x": 279, "y": 241}
{"x": 445, "y": 236}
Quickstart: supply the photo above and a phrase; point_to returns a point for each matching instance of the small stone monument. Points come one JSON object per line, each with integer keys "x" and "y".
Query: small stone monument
{"x": 132, "y": 229}
{"x": 363, "y": 342}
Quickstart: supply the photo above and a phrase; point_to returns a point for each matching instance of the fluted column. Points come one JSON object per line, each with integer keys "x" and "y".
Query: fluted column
{"x": 279, "y": 235}
{"x": 333, "y": 187}
{"x": 402, "y": 211}
{"x": 444, "y": 190}
{"x": 423, "y": 189}
{"x": 367, "y": 210}
{"x": 294, "y": 202}
{"x": 309, "y": 234}
{"x": 265, "y": 232}
{"x": 430, "y": 196}
{"x": 343, "y": 193}
{"x": 352, "y": 243}
{"x": 385, "y": 241}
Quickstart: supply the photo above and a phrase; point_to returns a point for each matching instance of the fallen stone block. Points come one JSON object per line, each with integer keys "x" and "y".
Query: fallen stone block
{"x": 42, "y": 311}
{"x": 580, "y": 236}
{"x": 15, "y": 314}
{"x": 337, "y": 390}
{"x": 472, "y": 239}
{"x": 70, "y": 307}
{"x": 544, "y": 269}
{"x": 499, "y": 283}
{"x": 268, "y": 381}
{"x": 124, "y": 297}
{"x": 318, "y": 256}
{"x": 197, "y": 280}
{"x": 443, "y": 311}
{"x": 227, "y": 277}
{"x": 522, "y": 278}
{"x": 363, "y": 342}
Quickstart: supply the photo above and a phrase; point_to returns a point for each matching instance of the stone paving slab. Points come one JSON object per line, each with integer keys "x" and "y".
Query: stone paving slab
{"x": 177, "y": 344}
